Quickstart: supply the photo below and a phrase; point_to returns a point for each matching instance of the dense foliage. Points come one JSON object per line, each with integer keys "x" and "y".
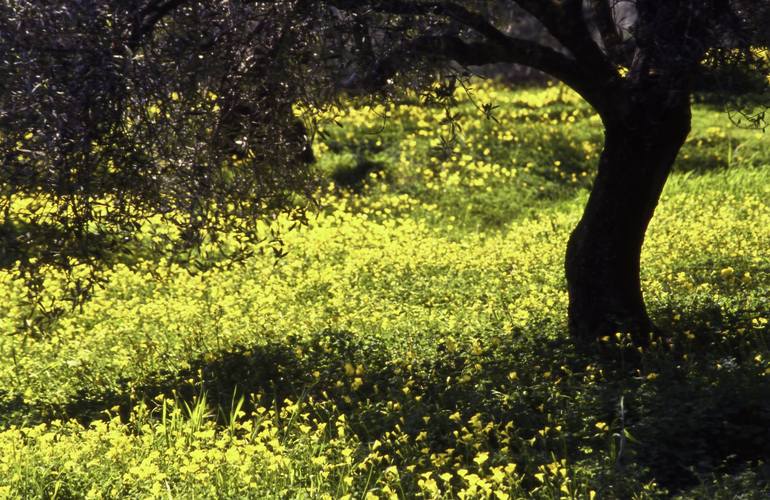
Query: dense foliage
{"x": 115, "y": 112}
{"x": 412, "y": 342}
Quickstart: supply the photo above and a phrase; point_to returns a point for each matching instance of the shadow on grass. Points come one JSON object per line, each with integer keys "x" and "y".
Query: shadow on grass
{"x": 353, "y": 177}
{"x": 681, "y": 414}
{"x": 24, "y": 240}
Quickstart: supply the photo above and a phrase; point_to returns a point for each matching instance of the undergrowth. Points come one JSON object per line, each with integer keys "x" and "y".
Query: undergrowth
{"x": 412, "y": 341}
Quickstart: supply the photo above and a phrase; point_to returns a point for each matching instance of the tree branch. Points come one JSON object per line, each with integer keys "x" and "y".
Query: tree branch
{"x": 514, "y": 51}
{"x": 589, "y": 67}
{"x": 450, "y": 10}
{"x": 566, "y": 22}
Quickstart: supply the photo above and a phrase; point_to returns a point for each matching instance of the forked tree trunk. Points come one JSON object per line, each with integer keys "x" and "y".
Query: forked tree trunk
{"x": 604, "y": 250}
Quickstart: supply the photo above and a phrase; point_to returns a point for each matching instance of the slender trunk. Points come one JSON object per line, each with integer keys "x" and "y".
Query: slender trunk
{"x": 604, "y": 250}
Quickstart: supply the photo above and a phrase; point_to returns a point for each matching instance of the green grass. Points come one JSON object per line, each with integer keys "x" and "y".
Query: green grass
{"x": 413, "y": 341}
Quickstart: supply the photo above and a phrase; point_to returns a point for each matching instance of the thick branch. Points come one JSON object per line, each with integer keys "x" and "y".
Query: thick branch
{"x": 566, "y": 22}
{"x": 450, "y": 10}
{"x": 513, "y": 51}
{"x": 588, "y": 73}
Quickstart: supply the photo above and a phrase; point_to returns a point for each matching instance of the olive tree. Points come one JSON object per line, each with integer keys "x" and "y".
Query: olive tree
{"x": 125, "y": 109}
{"x": 636, "y": 62}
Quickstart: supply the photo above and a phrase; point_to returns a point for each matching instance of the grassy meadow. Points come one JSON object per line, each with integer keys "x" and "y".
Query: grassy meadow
{"x": 412, "y": 342}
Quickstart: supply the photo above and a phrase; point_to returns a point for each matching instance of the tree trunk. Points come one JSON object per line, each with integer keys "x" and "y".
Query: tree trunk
{"x": 604, "y": 250}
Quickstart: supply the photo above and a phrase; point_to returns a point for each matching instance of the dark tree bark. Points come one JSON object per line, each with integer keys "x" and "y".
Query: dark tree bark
{"x": 603, "y": 255}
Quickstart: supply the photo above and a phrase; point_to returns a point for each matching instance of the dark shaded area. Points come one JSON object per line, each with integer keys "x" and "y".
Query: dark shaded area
{"x": 691, "y": 409}
{"x": 355, "y": 176}
{"x": 21, "y": 241}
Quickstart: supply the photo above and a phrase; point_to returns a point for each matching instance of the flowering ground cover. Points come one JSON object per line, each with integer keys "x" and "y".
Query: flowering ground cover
{"x": 412, "y": 341}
